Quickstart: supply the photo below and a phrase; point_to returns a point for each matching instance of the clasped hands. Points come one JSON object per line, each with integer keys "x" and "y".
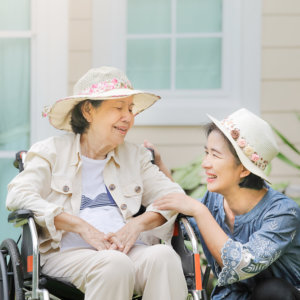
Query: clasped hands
{"x": 122, "y": 240}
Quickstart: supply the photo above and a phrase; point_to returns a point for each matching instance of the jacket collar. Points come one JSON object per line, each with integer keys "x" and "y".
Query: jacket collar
{"x": 75, "y": 153}
{"x": 114, "y": 155}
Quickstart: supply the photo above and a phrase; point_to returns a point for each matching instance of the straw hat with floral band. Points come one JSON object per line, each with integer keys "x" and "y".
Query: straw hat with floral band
{"x": 104, "y": 83}
{"x": 252, "y": 139}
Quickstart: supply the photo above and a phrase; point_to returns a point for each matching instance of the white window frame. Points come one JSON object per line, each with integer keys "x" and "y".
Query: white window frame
{"x": 240, "y": 64}
{"x": 49, "y": 75}
{"x": 49, "y": 61}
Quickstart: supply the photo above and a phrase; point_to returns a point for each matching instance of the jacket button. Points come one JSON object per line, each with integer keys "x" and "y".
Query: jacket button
{"x": 137, "y": 189}
{"x": 66, "y": 188}
{"x": 112, "y": 187}
{"x": 123, "y": 206}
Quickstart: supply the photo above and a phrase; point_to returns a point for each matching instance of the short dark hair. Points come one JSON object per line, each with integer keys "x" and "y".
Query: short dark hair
{"x": 78, "y": 122}
{"x": 251, "y": 181}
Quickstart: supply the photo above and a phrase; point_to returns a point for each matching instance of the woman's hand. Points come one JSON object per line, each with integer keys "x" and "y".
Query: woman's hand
{"x": 96, "y": 238}
{"x": 125, "y": 238}
{"x": 89, "y": 233}
{"x": 157, "y": 159}
{"x": 178, "y": 202}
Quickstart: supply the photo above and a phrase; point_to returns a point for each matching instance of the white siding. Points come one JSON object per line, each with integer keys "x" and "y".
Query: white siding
{"x": 80, "y": 39}
{"x": 280, "y": 89}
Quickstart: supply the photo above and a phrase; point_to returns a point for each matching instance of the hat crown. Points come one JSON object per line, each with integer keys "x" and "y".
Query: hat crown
{"x": 101, "y": 79}
{"x": 253, "y": 134}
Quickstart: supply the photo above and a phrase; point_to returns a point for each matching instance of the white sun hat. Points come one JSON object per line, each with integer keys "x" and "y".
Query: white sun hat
{"x": 252, "y": 139}
{"x": 104, "y": 83}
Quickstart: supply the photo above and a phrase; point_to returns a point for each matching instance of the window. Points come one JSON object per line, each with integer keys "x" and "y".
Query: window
{"x": 174, "y": 45}
{"x": 33, "y": 71}
{"x": 199, "y": 55}
{"x": 15, "y": 49}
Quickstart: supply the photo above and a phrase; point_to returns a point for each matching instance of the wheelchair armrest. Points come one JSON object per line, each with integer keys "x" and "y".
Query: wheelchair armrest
{"x": 19, "y": 161}
{"x": 178, "y": 243}
{"x": 190, "y": 232}
{"x": 20, "y": 217}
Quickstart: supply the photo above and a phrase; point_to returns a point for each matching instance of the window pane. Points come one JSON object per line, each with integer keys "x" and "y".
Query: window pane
{"x": 199, "y": 16}
{"x": 15, "y": 15}
{"x": 15, "y": 93}
{"x": 198, "y": 63}
{"x": 148, "y": 63}
{"x": 146, "y": 16}
{"x": 7, "y": 172}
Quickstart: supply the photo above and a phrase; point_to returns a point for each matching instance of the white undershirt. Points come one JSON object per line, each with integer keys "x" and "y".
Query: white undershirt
{"x": 97, "y": 208}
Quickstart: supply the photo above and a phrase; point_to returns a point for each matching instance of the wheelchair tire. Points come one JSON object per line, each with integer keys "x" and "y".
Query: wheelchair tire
{"x": 14, "y": 269}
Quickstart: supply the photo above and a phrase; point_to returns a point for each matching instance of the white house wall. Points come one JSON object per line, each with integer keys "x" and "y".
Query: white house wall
{"x": 280, "y": 86}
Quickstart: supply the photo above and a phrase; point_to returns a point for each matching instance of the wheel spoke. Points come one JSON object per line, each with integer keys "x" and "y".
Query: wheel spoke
{"x": 4, "y": 279}
{"x": 12, "y": 274}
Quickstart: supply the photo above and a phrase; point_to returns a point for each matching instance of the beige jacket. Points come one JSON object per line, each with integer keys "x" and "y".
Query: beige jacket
{"x": 51, "y": 184}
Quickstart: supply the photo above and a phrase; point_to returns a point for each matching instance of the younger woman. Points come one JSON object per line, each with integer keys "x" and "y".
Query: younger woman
{"x": 250, "y": 233}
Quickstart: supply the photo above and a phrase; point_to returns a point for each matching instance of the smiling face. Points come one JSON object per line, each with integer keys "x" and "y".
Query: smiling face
{"x": 110, "y": 122}
{"x": 221, "y": 168}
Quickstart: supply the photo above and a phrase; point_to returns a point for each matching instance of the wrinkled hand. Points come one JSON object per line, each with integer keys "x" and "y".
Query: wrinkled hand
{"x": 96, "y": 238}
{"x": 125, "y": 238}
{"x": 178, "y": 202}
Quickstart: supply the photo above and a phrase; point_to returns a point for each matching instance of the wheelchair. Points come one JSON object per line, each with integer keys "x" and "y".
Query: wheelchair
{"x": 20, "y": 272}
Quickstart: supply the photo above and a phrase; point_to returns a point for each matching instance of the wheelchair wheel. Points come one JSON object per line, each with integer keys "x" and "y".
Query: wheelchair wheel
{"x": 11, "y": 284}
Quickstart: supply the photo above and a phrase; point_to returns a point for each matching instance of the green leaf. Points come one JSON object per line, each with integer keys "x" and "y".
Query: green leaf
{"x": 268, "y": 169}
{"x": 188, "y": 177}
{"x": 192, "y": 179}
{"x": 286, "y": 160}
{"x": 179, "y": 174}
{"x": 199, "y": 191}
{"x": 280, "y": 186}
{"x": 286, "y": 141}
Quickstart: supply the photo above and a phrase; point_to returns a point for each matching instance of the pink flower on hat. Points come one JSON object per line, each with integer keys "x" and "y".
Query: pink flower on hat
{"x": 242, "y": 143}
{"x": 46, "y": 111}
{"x": 255, "y": 157}
{"x": 235, "y": 133}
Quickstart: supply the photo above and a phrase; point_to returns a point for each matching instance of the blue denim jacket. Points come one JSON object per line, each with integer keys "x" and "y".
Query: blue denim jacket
{"x": 265, "y": 240}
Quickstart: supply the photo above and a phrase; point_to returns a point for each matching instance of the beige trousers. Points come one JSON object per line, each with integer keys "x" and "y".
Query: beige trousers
{"x": 154, "y": 271}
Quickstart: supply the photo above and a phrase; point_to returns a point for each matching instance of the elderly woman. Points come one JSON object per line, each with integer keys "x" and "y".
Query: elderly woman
{"x": 250, "y": 233}
{"x": 85, "y": 187}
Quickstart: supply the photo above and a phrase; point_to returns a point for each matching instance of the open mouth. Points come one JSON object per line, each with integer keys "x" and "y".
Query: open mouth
{"x": 122, "y": 130}
{"x": 211, "y": 177}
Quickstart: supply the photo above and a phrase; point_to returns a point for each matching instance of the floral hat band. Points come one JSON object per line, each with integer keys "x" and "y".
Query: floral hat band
{"x": 248, "y": 149}
{"x": 105, "y": 86}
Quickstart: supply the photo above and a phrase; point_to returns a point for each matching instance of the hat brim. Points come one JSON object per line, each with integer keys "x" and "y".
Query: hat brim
{"x": 60, "y": 112}
{"x": 242, "y": 156}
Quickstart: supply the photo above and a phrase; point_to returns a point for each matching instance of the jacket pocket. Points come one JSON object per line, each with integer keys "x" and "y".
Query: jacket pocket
{"x": 61, "y": 185}
{"x": 132, "y": 190}
{"x": 132, "y": 193}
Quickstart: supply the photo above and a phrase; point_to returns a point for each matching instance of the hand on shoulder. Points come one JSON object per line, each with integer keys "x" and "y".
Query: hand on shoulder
{"x": 179, "y": 202}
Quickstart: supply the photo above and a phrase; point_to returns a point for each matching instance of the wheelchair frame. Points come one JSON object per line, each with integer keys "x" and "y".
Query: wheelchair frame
{"x": 21, "y": 277}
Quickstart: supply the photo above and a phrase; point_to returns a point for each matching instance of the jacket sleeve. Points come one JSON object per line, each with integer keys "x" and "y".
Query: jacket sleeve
{"x": 265, "y": 246}
{"x": 29, "y": 189}
{"x": 157, "y": 185}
